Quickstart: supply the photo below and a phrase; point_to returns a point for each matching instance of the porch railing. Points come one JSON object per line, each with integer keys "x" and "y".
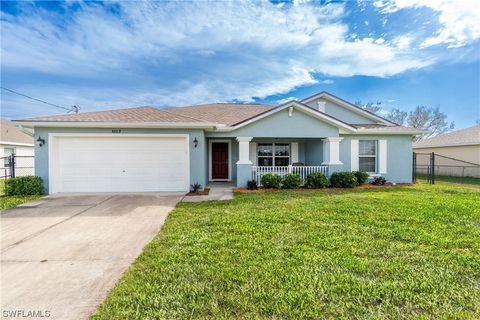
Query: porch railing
{"x": 303, "y": 171}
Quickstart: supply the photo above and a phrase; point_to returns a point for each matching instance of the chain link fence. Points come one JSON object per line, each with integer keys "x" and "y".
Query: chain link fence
{"x": 17, "y": 166}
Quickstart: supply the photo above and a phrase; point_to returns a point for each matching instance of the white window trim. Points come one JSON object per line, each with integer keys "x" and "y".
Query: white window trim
{"x": 369, "y": 156}
{"x": 273, "y": 153}
{"x": 210, "y": 142}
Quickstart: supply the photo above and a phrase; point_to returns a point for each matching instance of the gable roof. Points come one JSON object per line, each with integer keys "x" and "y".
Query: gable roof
{"x": 297, "y": 105}
{"x": 224, "y": 113}
{"x": 350, "y": 106}
{"x": 468, "y": 136}
{"x": 213, "y": 116}
{"x": 12, "y": 134}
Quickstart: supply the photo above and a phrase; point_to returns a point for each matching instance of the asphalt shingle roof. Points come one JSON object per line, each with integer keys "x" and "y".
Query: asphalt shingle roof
{"x": 11, "y": 133}
{"x": 224, "y": 113}
{"x": 466, "y": 136}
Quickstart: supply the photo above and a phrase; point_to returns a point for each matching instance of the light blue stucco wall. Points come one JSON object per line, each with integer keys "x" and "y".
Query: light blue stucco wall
{"x": 313, "y": 152}
{"x": 341, "y": 113}
{"x": 399, "y": 155}
{"x": 198, "y": 156}
{"x": 299, "y": 125}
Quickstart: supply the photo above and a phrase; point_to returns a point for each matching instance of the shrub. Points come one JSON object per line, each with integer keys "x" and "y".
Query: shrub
{"x": 271, "y": 181}
{"x": 343, "y": 180}
{"x": 379, "y": 181}
{"x": 252, "y": 185}
{"x": 317, "y": 180}
{"x": 291, "y": 181}
{"x": 194, "y": 188}
{"x": 24, "y": 186}
{"x": 362, "y": 177}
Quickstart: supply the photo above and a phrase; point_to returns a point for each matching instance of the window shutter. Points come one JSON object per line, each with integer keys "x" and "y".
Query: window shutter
{"x": 253, "y": 153}
{"x": 354, "y": 155}
{"x": 294, "y": 152}
{"x": 382, "y": 156}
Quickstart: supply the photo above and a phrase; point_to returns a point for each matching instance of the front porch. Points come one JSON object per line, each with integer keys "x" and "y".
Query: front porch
{"x": 259, "y": 171}
{"x": 245, "y": 158}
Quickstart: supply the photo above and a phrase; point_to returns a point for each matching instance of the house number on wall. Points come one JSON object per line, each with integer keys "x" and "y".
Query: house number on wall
{"x": 116, "y": 130}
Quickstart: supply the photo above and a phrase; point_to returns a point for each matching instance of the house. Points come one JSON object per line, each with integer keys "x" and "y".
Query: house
{"x": 149, "y": 149}
{"x": 458, "y": 152}
{"x": 17, "y": 141}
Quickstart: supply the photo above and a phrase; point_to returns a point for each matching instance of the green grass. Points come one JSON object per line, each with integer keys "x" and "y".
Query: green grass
{"x": 452, "y": 180}
{"x": 12, "y": 201}
{"x": 410, "y": 252}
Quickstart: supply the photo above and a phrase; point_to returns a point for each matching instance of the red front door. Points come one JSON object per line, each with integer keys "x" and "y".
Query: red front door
{"x": 220, "y": 160}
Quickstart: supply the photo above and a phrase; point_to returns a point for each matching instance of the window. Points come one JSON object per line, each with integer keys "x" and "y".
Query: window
{"x": 7, "y": 152}
{"x": 367, "y": 156}
{"x": 273, "y": 154}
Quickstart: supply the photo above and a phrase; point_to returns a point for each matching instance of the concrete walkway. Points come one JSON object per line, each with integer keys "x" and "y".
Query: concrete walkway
{"x": 62, "y": 254}
{"x": 218, "y": 191}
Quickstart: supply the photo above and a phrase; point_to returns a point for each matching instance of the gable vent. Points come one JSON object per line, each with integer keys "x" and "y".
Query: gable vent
{"x": 321, "y": 105}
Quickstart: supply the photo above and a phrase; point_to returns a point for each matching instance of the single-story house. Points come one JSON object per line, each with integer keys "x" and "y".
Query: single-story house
{"x": 458, "y": 152}
{"x": 18, "y": 141}
{"x": 149, "y": 149}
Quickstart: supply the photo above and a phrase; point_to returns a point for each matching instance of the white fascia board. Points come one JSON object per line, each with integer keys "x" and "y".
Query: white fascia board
{"x": 447, "y": 145}
{"x": 72, "y": 124}
{"x": 298, "y": 106}
{"x": 409, "y": 132}
{"x": 10, "y": 143}
{"x": 347, "y": 106}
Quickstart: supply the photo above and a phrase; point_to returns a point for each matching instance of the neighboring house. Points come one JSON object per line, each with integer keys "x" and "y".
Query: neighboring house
{"x": 463, "y": 145}
{"x": 149, "y": 149}
{"x": 18, "y": 141}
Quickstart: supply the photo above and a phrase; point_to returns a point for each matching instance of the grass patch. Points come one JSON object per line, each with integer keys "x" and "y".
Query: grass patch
{"x": 12, "y": 201}
{"x": 445, "y": 180}
{"x": 388, "y": 253}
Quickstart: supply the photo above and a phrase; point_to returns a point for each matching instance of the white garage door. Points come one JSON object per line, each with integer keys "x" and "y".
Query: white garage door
{"x": 119, "y": 164}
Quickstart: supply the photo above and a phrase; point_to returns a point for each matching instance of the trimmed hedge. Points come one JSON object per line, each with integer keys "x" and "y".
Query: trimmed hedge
{"x": 271, "y": 181}
{"x": 379, "y": 181}
{"x": 362, "y": 177}
{"x": 317, "y": 180}
{"x": 291, "y": 181}
{"x": 343, "y": 180}
{"x": 252, "y": 185}
{"x": 24, "y": 186}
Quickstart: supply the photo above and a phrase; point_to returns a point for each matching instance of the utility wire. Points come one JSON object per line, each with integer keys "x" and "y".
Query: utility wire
{"x": 73, "y": 109}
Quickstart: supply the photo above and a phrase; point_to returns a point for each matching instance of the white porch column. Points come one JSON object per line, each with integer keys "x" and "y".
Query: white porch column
{"x": 244, "y": 165}
{"x": 244, "y": 150}
{"x": 331, "y": 151}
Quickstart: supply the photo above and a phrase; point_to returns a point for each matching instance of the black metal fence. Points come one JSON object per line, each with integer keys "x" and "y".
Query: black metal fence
{"x": 429, "y": 165}
{"x": 16, "y": 166}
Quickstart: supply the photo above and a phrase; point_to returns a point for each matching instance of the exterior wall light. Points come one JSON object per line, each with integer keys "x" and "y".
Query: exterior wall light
{"x": 195, "y": 142}
{"x": 40, "y": 141}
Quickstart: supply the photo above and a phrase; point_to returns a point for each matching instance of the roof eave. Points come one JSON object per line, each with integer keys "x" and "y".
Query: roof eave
{"x": 351, "y": 106}
{"x": 113, "y": 124}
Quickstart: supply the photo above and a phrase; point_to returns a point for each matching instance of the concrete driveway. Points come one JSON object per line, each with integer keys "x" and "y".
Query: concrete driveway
{"x": 61, "y": 255}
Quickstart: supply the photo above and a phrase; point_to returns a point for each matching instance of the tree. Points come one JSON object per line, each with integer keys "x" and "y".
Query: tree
{"x": 397, "y": 116}
{"x": 430, "y": 119}
{"x": 425, "y": 118}
{"x": 370, "y": 106}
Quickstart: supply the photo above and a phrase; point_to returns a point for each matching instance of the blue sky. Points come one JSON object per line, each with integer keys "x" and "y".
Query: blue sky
{"x": 402, "y": 53}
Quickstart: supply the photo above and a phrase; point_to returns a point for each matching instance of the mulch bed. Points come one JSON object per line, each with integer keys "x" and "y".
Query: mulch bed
{"x": 199, "y": 193}
{"x": 363, "y": 186}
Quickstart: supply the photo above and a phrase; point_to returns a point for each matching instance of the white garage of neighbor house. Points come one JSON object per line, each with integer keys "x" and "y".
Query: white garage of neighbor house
{"x": 18, "y": 141}
{"x": 149, "y": 149}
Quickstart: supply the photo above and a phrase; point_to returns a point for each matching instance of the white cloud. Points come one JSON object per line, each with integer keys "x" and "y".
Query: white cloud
{"x": 327, "y": 81}
{"x": 459, "y": 20}
{"x": 178, "y": 53}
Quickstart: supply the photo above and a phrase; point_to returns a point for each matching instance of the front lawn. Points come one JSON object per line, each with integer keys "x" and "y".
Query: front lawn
{"x": 390, "y": 253}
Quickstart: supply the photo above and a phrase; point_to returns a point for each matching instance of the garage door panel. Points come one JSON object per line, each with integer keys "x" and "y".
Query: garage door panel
{"x": 120, "y": 164}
